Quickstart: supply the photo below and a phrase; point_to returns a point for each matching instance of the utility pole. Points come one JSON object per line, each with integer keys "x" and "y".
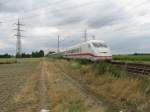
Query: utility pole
{"x": 58, "y": 44}
{"x": 85, "y": 35}
{"x": 93, "y": 37}
{"x": 18, "y": 35}
{"x": 1, "y": 23}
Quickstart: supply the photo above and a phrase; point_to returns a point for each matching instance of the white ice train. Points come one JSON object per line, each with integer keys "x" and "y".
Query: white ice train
{"x": 94, "y": 50}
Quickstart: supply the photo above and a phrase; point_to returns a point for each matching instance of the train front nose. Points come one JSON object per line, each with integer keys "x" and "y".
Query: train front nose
{"x": 104, "y": 54}
{"x": 102, "y": 51}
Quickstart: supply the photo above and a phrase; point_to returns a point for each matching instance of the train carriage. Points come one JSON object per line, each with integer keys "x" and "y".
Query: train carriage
{"x": 94, "y": 50}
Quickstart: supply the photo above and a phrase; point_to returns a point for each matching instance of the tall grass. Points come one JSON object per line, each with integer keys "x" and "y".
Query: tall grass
{"x": 103, "y": 68}
{"x": 145, "y": 86}
{"x": 99, "y": 68}
{"x": 113, "y": 85}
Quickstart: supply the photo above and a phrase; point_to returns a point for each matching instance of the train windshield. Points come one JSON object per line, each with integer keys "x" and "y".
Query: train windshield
{"x": 96, "y": 44}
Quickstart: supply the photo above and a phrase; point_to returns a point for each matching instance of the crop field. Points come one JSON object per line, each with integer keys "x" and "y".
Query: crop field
{"x": 136, "y": 58}
{"x": 12, "y": 78}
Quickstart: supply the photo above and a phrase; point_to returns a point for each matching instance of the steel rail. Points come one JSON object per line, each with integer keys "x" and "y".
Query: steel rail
{"x": 134, "y": 68}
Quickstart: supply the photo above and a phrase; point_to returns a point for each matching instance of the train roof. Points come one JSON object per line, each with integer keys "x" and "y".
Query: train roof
{"x": 91, "y": 41}
{"x": 87, "y": 42}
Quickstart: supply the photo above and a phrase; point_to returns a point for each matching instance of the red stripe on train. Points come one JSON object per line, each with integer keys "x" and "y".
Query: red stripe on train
{"x": 90, "y": 54}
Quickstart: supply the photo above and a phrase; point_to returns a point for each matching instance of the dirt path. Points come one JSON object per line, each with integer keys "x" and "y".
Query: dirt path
{"x": 67, "y": 95}
{"x": 33, "y": 97}
{"x": 43, "y": 89}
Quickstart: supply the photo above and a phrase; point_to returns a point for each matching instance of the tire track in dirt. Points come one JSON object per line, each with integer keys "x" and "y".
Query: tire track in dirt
{"x": 43, "y": 88}
{"x": 33, "y": 96}
{"x": 67, "y": 96}
{"x": 79, "y": 85}
{"x": 13, "y": 79}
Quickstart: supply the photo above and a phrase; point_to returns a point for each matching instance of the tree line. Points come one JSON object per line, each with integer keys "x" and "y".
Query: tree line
{"x": 5, "y": 56}
{"x": 35, "y": 54}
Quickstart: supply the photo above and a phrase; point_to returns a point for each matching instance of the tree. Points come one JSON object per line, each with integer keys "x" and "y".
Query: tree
{"x": 38, "y": 53}
{"x": 41, "y": 53}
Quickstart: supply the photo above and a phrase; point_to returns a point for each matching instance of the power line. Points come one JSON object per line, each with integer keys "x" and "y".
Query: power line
{"x": 58, "y": 44}
{"x": 85, "y": 35}
{"x": 18, "y": 35}
{"x": 93, "y": 37}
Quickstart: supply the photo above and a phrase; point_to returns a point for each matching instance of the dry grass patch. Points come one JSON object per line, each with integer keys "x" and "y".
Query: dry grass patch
{"x": 112, "y": 85}
{"x": 12, "y": 80}
{"x": 27, "y": 100}
{"x": 67, "y": 97}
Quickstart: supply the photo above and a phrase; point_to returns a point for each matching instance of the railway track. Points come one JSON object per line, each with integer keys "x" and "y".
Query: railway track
{"x": 134, "y": 68}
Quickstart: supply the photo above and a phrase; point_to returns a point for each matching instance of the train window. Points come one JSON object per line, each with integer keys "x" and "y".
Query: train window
{"x": 99, "y": 45}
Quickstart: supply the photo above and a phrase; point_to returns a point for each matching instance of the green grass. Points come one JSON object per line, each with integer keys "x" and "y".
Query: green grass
{"x": 7, "y": 60}
{"x": 112, "y": 85}
{"x": 100, "y": 68}
{"x": 104, "y": 68}
{"x": 132, "y": 57}
{"x": 18, "y": 60}
{"x": 145, "y": 86}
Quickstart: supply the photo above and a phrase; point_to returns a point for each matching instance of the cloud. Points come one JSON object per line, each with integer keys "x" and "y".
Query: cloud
{"x": 123, "y": 24}
{"x": 42, "y": 31}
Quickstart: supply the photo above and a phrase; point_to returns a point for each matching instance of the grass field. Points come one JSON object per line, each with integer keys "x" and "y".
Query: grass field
{"x": 22, "y": 83}
{"x": 12, "y": 78}
{"x": 7, "y": 60}
{"x": 132, "y": 57}
{"x": 112, "y": 85}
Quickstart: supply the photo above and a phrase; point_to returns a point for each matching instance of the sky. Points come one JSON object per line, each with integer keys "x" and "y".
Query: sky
{"x": 123, "y": 24}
